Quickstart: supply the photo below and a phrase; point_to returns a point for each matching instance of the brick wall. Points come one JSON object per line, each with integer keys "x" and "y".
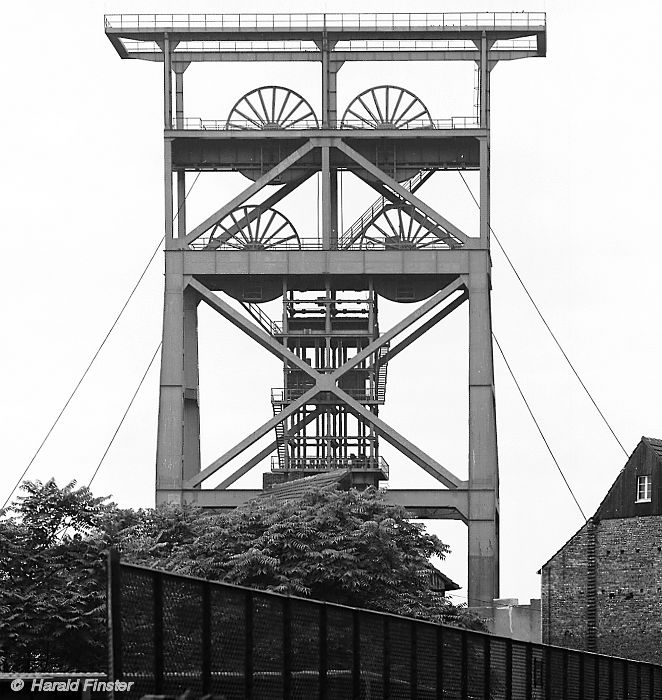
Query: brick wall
{"x": 564, "y": 580}
{"x": 627, "y": 595}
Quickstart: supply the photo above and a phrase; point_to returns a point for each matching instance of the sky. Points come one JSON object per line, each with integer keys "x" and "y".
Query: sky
{"x": 575, "y": 185}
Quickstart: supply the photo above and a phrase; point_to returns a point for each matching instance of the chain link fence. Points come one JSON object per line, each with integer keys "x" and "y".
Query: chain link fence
{"x": 170, "y": 634}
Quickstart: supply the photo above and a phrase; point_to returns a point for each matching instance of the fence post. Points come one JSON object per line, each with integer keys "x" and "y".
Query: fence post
{"x": 287, "y": 648}
{"x": 386, "y": 670}
{"x": 356, "y": 655}
{"x": 324, "y": 652}
{"x": 157, "y": 583}
{"x": 206, "y": 637}
{"x": 651, "y": 682}
{"x": 413, "y": 663}
{"x": 464, "y": 665}
{"x": 597, "y": 679}
{"x": 528, "y": 694}
{"x": 509, "y": 669}
{"x": 487, "y": 658}
{"x": 565, "y": 674}
{"x": 114, "y": 603}
{"x": 440, "y": 661}
{"x": 581, "y": 675}
{"x": 248, "y": 648}
{"x": 548, "y": 673}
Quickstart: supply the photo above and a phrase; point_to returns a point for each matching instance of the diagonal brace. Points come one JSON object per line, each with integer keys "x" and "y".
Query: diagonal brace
{"x": 252, "y": 331}
{"x": 252, "y": 438}
{"x": 249, "y": 192}
{"x": 431, "y": 466}
{"x": 259, "y": 208}
{"x": 416, "y": 215}
{"x": 399, "y": 327}
{"x": 424, "y": 328}
{"x": 267, "y": 451}
{"x": 401, "y": 191}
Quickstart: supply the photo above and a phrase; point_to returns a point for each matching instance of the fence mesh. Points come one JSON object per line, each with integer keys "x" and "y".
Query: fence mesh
{"x": 172, "y": 635}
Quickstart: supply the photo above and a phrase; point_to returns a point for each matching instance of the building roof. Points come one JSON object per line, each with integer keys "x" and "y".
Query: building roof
{"x": 647, "y": 448}
{"x": 441, "y": 582}
{"x": 292, "y": 490}
{"x": 655, "y": 444}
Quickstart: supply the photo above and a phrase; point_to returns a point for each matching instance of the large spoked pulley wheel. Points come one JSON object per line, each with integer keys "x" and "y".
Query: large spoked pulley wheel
{"x": 272, "y": 107}
{"x": 386, "y": 107}
{"x": 252, "y": 228}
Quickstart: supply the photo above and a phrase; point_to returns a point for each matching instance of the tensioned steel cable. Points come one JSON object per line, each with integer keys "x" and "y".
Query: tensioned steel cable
{"x": 128, "y": 408}
{"x": 542, "y": 318}
{"x": 94, "y": 357}
{"x": 542, "y": 435}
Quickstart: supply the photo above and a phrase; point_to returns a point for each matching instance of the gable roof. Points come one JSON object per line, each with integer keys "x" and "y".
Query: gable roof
{"x": 647, "y": 452}
{"x": 655, "y": 444}
{"x": 652, "y": 448}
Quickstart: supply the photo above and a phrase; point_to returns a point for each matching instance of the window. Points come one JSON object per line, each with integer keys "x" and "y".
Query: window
{"x": 643, "y": 489}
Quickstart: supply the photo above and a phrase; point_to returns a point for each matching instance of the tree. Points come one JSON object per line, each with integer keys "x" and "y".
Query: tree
{"x": 52, "y": 591}
{"x": 345, "y": 547}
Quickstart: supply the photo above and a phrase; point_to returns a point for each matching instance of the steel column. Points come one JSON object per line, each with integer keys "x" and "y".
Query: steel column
{"x": 483, "y": 545}
{"x": 483, "y": 462}
{"x": 170, "y": 437}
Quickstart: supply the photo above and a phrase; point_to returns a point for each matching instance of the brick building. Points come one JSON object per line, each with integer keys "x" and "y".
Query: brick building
{"x": 602, "y": 591}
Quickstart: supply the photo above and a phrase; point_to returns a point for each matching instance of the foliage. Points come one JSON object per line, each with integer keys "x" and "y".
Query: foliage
{"x": 52, "y": 591}
{"x": 346, "y": 547}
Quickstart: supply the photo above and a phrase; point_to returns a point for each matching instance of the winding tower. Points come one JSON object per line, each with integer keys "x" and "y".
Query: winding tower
{"x": 335, "y": 357}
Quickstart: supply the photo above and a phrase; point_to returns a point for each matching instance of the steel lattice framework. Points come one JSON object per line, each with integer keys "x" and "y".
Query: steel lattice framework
{"x": 335, "y": 358}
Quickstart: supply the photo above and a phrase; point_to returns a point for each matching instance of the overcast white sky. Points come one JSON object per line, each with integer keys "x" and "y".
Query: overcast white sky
{"x": 575, "y": 183}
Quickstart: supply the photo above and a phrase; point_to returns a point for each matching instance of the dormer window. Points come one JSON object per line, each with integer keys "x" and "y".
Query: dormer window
{"x": 644, "y": 484}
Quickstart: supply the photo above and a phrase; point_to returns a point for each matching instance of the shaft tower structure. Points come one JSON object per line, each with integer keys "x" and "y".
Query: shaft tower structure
{"x": 335, "y": 356}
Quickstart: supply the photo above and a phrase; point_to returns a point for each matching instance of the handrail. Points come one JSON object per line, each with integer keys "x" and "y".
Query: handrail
{"x": 209, "y": 46}
{"x": 263, "y": 319}
{"x": 342, "y": 21}
{"x": 360, "y": 463}
{"x": 199, "y": 124}
{"x": 316, "y": 244}
{"x": 281, "y": 395}
{"x": 377, "y": 207}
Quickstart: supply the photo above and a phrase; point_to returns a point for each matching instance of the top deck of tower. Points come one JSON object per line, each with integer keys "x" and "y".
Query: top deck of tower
{"x": 350, "y": 36}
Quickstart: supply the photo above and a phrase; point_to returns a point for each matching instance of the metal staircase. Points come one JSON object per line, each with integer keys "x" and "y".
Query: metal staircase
{"x": 381, "y": 368}
{"x": 261, "y": 318}
{"x": 281, "y": 447}
{"x": 356, "y": 230}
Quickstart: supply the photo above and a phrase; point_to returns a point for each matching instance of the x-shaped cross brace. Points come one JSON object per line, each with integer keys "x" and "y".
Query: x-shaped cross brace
{"x": 327, "y": 382}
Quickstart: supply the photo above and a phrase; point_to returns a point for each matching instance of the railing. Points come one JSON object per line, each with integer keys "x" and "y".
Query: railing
{"x": 339, "y": 21}
{"x": 263, "y": 319}
{"x": 328, "y": 463}
{"x": 352, "y": 234}
{"x": 355, "y": 45}
{"x": 283, "y": 395}
{"x": 316, "y": 244}
{"x": 172, "y": 635}
{"x": 198, "y": 124}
